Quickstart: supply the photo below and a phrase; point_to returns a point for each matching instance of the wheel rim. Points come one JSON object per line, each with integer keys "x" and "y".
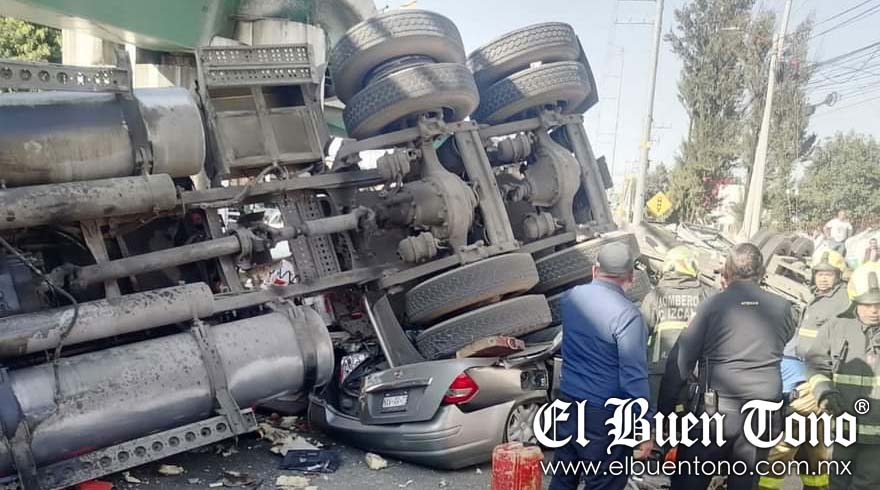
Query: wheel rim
{"x": 520, "y": 424}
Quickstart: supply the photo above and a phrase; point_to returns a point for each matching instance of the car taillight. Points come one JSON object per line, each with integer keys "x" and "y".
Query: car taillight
{"x": 462, "y": 390}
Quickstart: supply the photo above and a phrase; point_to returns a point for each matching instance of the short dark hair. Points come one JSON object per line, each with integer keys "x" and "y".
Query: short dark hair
{"x": 744, "y": 263}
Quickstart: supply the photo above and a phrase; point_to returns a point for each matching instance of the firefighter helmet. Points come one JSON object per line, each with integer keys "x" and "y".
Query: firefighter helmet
{"x": 680, "y": 259}
{"x": 828, "y": 260}
{"x": 864, "y": 284}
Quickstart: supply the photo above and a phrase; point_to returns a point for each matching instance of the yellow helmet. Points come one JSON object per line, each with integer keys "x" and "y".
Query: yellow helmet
{"x": 680, "y": 259}
{"x": 828, "y": 260}
{"x": 864, "y": 284}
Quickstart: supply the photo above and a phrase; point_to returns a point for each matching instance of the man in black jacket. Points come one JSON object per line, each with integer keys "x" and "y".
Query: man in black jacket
{"x": 737, "y": 338}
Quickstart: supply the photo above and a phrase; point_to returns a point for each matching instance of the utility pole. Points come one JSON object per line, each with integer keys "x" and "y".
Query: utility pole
{"x": 617, "y": 115}
{"x": 754, "y": 202}
{"x": 645, "y": 155}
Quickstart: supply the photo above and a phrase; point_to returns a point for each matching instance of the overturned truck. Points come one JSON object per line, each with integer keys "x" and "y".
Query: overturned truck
{"x": 133, "y": 321}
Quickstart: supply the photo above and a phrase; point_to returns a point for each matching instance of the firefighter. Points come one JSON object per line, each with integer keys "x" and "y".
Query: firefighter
{"x": 844, "y": 364}
{"x": 737, "y": 338}
{"x": 829, "y": 300}
{"x": 669, "y": 307}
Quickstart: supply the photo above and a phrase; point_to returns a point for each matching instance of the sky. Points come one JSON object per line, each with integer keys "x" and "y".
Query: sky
{"x": 616, "y": 44}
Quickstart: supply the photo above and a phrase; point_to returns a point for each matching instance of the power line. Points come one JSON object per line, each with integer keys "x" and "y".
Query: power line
{"x": 852, "y": 76}
{"x": 841, "y": 57}
{"x": 839, "y": 14}
{"x": 835, "y": 83}
{"x": 852, "y": 20}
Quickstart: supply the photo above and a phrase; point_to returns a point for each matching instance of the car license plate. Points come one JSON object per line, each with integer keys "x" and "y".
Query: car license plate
{"x": 395, "y": 402}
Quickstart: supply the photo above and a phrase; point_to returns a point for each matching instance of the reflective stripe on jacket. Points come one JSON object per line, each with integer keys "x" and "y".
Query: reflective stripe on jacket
{"x": 667, "y": 310}
{"x": 820, "y": 310}
{"x": 845, "y": 358}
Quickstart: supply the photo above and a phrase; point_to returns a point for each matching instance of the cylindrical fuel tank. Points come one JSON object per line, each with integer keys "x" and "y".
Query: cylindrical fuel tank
{"x": 35, "y": 332}
{"x": 114, "y": 395}
{"x": 36, "y": 205}
{"x": 55, "y": 137}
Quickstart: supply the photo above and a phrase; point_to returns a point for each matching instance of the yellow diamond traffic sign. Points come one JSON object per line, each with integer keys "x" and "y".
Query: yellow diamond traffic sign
{"x": 659, "y": 205}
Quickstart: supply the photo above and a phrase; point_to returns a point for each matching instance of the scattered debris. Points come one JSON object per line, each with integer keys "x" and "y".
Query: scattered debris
{"x": 216, "y": 484}
{"x": 271, "y": 433}
{"x": 130, "y": 479}
{"x": 288, "y": 423}
{"x": 375, "y": 462}
{"x": 171, "y": 470}
{"x": 404, "y": 485}
{"x": 312, "y": 461}
{"x": 194, "y": 481}
{"x": 292, "y": 443}
{"x": 479, "y": 471}
{"x": 443, "y": 483}
{"x": 286, "y": 482}
{"x": 235, "y": 479}
{"x": 284, "y": 440}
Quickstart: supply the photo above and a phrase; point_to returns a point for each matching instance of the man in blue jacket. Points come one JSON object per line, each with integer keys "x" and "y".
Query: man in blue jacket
{"x": 604, "y": 352}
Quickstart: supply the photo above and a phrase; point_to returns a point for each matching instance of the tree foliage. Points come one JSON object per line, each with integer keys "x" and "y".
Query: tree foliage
{"x": 725, "y": 50}
{"x": 708, "y": 40}
{"x": 844, "y": 174}
{"x": 658, "y": 180}
{"x": 25, "y": 41}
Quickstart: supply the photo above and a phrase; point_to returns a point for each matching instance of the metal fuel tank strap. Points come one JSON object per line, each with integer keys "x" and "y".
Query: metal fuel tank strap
{"x": 17, "y": 437}
{"x": 217, "y": 376}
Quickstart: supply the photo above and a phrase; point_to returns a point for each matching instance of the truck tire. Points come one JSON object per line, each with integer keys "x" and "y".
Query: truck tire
{"x": 517, "y": 50}
{"x": 514, "y": 318}
{"x": 387, "y": 36}
{"x": 469, "y": 285}
{"x": 409, "y": 92}
{"x": 566, "y": 84}
{"x": 542, "y": 336}
{"x": 570, "y": 265}
{"x": 555, "y": 303}
{"x": 802, "y": 247}
{"x": 761, "y": 237}
{"x": 549, "y": 333}
{"x": 778, "y": 244}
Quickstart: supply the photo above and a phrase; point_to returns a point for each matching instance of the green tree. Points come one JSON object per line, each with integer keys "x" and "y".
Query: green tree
{"x": 25, "y": 41}
{"x": 708, "y": 39}
{"x": 844, "y": 174}
{"x": 790, "y": 139}
{"x": 658, "y": 180}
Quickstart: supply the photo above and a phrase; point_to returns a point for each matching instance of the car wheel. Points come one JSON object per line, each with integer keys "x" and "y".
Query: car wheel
{"x": 776, "y": 245}
{"x": 387, "y": 36}
{"x": 802, "y": 247}
{"x": 521, "y": 421}
{"x": 409, "y": 92}
{"x": 517, "y": 50}
{"x": 469, "y": 285}
{"x": 514, "y": 318}
{"x": 573, "y": 264}
{"x": 565, "y": 84}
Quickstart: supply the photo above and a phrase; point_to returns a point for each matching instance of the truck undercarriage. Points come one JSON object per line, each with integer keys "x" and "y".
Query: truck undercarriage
{"x": 135, "y": 245}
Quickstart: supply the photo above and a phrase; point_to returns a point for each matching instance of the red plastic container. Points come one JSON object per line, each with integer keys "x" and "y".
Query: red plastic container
{"x": 95, "y": 485}
{"x": 517, "y": 467}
